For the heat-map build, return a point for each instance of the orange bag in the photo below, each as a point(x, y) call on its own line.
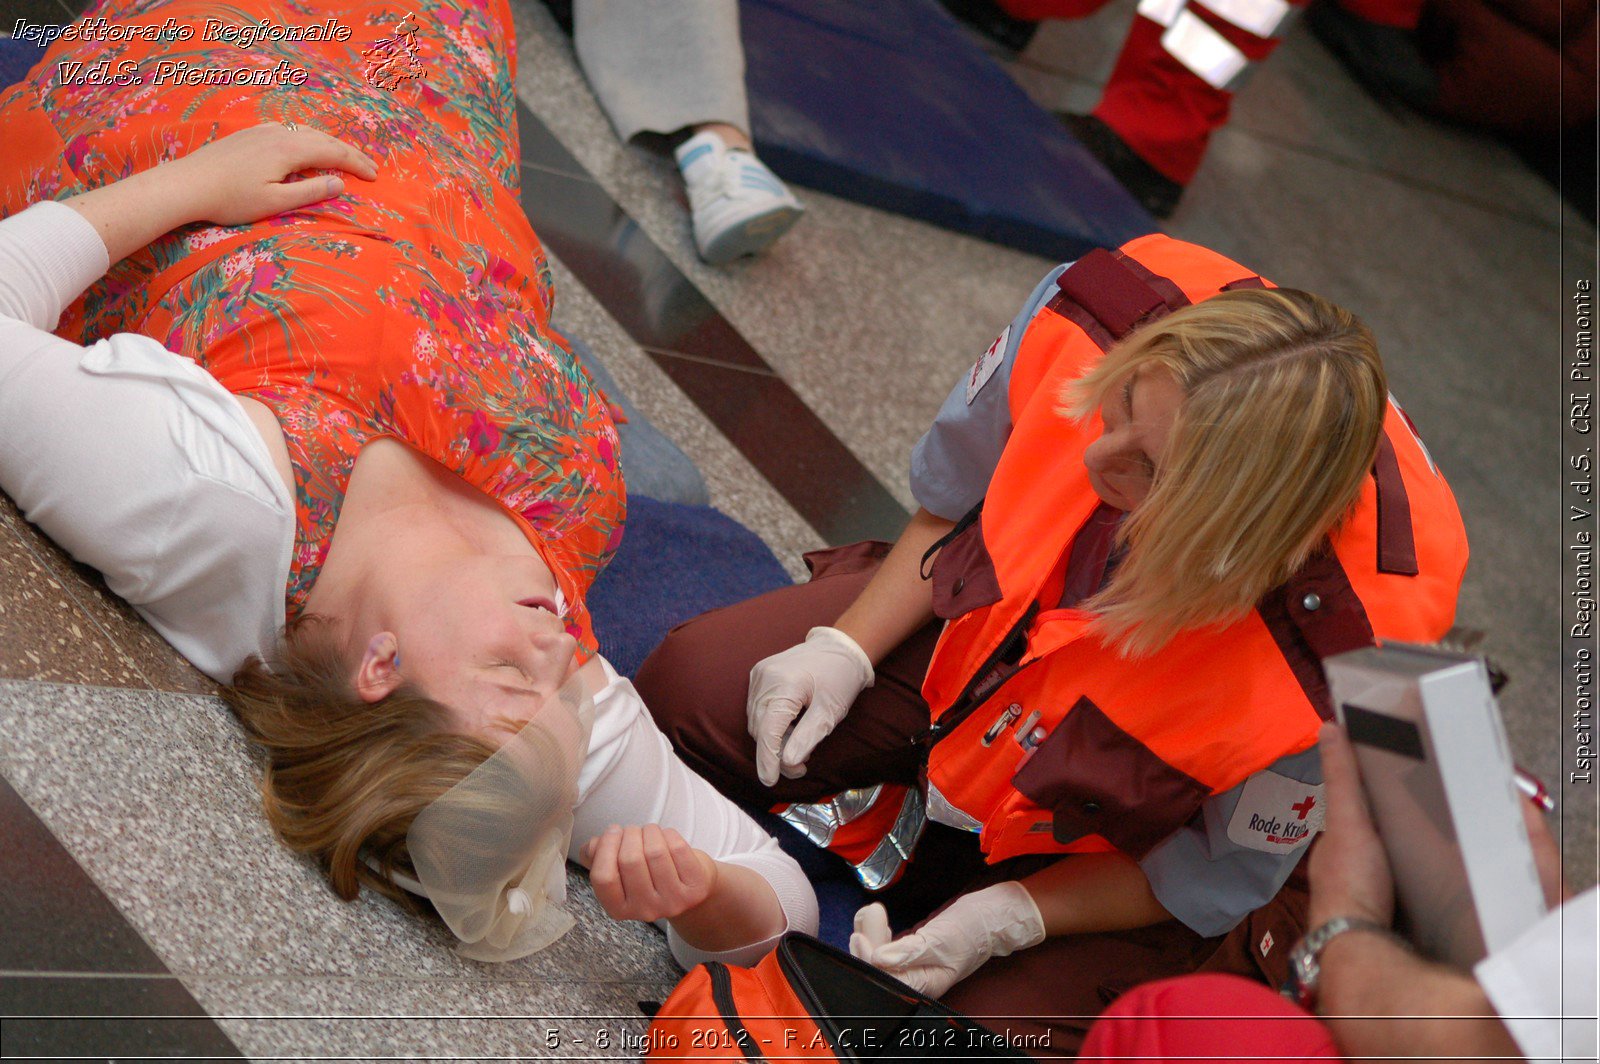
point(807, 1000)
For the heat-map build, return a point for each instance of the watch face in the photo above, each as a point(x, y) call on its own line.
point(1301, 987)
point(1304, 969)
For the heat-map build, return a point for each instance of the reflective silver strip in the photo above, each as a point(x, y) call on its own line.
point(852, 803)
point(820, 821)
point(880, 866)
point(1261, 17)
point(1161, 11)
point(942, 812)
point(1203, 50)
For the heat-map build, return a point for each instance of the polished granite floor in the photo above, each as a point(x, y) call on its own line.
point(146, 911)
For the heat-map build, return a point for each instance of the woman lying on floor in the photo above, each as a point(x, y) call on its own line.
point(334, 452)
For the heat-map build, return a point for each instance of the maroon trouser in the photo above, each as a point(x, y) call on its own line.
point(696, 685)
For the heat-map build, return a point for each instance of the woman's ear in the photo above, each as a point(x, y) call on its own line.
point(379, 675)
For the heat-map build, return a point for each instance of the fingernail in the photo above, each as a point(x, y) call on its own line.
point(614, 829)
point(335, 186)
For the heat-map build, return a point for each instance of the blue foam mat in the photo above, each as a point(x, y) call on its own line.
point(16, 59)
point(892, 105)
point(676, 561)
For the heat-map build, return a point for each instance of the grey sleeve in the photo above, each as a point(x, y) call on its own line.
point(952, 463)
point(1240, 848)
point(661, 67)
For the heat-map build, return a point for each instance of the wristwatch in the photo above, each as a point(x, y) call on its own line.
point(1305, 968)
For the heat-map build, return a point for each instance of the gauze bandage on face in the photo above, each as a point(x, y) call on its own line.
point(490, 853)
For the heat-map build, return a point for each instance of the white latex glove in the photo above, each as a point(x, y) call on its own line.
point(992, 922)
point(822, 676)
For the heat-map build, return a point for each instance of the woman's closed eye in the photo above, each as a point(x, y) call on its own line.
point(513, 666)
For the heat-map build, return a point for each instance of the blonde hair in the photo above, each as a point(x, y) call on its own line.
point(1284, 401)
point(344, 775)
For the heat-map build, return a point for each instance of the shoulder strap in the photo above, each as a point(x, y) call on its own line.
point(1108, 294)
point(1244, 282)
point(1397, 546)
point(1103, 288)
point(1312, 616)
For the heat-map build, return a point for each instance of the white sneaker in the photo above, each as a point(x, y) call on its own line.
point(737, 205)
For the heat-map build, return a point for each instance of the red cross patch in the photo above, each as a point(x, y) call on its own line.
point(1276, 813)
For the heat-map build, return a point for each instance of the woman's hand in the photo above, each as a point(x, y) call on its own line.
point(646, 873)
point(231, 181)
point(1546, 854)
point(243, 177)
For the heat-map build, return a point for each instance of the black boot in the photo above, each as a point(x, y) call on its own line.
point(1157, 192)
point(989, 19)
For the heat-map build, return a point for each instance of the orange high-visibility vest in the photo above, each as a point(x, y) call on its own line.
point(1046, 741)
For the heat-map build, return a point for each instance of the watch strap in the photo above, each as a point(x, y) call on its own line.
point(1305, 960)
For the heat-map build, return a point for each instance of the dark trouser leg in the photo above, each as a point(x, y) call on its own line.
point(696, 683)
point(1048, 996)
point(1045, 998)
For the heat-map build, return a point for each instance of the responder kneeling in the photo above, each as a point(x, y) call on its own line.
point(1164, 493)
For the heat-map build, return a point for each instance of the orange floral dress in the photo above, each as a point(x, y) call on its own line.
point(417, 306)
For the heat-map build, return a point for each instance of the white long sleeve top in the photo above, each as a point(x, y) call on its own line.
point(140, 464)
point(632, 776)
point(135, 459)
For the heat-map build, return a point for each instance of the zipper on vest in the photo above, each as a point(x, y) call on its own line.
point(722, 996)
point(993, 673)
point(985, 681)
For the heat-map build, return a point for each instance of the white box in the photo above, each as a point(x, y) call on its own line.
point(1439, 779)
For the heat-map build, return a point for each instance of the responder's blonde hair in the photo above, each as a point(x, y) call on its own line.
point(1285, 397)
